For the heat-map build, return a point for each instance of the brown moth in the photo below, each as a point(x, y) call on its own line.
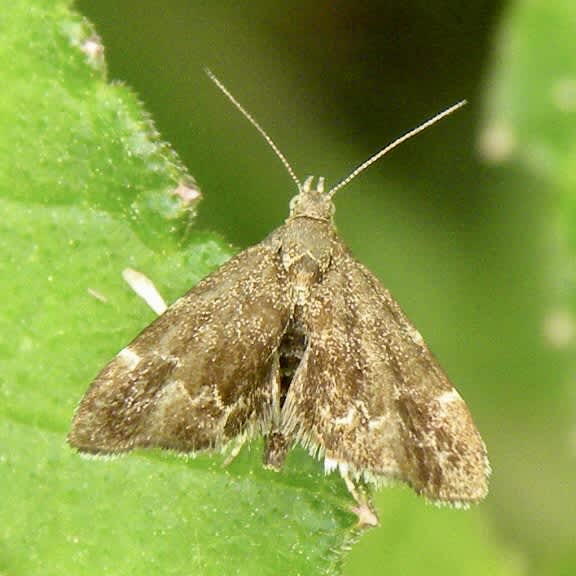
point(295, 340)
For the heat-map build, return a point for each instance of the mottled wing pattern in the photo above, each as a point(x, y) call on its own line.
point(372, 399)
point(197, 376)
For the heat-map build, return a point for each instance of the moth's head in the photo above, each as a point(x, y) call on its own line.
point(312, 201)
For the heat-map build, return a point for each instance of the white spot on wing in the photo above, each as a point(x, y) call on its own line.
point(416, 336)
point(448, 397)
point(376, 423)
point(346, 420)
point(129, 358)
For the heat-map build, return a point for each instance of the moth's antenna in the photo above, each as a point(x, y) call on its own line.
point(396, 142)
point(250, 118)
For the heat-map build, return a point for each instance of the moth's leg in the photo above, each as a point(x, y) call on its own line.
point(276, 449)
point(145, 288)
point(367, 516)
point(232, 449)
point(276, 444)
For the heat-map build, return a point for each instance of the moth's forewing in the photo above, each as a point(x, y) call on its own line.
point(197, 376)
point(373, 400)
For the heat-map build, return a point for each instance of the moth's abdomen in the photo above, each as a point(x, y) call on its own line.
point(290, 353)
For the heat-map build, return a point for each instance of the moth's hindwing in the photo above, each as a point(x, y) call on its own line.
point(371, 397)
point(198, 376)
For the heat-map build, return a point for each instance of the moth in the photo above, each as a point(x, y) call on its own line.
point(295, 340)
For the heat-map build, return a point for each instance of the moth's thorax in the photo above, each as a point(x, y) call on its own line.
point(307, 239)
point(312, 202)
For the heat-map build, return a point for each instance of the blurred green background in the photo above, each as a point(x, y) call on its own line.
point(469, 224)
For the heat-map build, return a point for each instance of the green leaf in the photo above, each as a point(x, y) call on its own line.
point(87, 189)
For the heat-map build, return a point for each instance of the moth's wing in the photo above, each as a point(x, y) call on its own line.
point(197, 376)
point(371, 397)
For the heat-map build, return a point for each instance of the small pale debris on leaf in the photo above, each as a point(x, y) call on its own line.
point(98, 295)
point(145, 288)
